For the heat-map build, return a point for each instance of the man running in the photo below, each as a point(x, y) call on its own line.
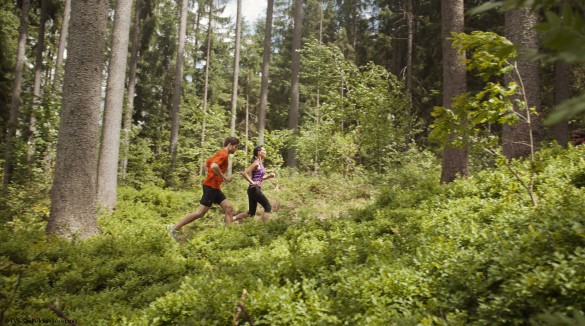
point(216, 168)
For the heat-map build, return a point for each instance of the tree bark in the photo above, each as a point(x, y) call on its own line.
point(74, 192)
point(522, 139)
point(37, 98)
point(131, 90)
point(265, 71)
point(177, 89)
point(113, 109)
point(562, 92)
point(409, 40)
point(16, 91)
point(62, 45)
point(455, 160)
point(206, 85)
point(293, 114)
point(234, 102)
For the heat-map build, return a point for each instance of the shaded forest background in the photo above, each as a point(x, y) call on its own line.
point(167, 130)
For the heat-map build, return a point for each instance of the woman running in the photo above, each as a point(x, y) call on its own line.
point(255, 174)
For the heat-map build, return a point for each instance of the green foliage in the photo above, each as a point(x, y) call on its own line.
point(562, 32)
point(142, 163)
point(8, 43)
point(473, 252)
point(359, 117)
point(490, 57)
point(276, 142)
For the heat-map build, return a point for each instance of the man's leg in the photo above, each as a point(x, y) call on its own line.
point(241, 217)
point(228, 210)
point(200, 212)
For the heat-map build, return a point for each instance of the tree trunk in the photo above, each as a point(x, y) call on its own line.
point(409, 55)
point(265, 71)
point(562, 92)
point(131, 90)
point(112, 120)
point(62, 45)
point(247, 115)
point(37, 99)
point(522, 139)
point(205, 86)
point(454, 83)
point(16, 90)
point(200, 10)
point(235, 78)
point(410, 28)
point(293, 114)
point(177, 89)
point(74, 192)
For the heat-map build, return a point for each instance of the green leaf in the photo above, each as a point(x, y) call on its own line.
point(566, 110)
point(484, 7)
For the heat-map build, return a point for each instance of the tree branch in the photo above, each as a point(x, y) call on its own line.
point(241, 310)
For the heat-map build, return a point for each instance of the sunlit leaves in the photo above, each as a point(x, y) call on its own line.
point(490, 56)
point(361, 112)
point(562, 33)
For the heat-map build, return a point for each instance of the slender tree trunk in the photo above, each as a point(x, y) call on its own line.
point(177, 88)
point(37, 99)
point(56, 80)
point(62, 45)
point(235, 78)
point(265, 71)
point(318, 104)
point(562, 92)
point(521, 140)
point(131, 90)
point(293, 114)
point(205, 86)
point(200, 9)
point(247, 115)
point(113, 109)
point(409, 41)
point(74, 192)
point(454, 83)
point(16, 90)
point(355, 29)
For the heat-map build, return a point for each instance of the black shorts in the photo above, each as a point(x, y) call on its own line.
point(211, 196)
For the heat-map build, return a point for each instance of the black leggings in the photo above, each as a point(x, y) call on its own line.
point(256, 196)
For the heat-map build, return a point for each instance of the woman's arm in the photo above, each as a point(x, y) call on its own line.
point(248, 170)
point(269, 176)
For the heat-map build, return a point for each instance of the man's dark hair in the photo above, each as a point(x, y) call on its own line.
point(231, 141)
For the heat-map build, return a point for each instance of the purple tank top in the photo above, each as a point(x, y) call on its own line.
point(258, 175)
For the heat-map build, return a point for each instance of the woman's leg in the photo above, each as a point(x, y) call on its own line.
point(252, 205)
point(260, 198)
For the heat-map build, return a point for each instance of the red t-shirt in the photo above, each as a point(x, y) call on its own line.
point(221, 159)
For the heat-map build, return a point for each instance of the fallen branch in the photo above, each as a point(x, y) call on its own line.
point(241, 310)
point(54, 308)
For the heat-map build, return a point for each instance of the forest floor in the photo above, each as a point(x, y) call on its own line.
point(293, 197)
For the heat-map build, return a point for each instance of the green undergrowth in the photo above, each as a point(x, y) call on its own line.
point(407, 251)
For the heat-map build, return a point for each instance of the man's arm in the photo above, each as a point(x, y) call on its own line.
point(217, 171)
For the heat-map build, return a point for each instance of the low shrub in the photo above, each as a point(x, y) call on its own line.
point(476, 251)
